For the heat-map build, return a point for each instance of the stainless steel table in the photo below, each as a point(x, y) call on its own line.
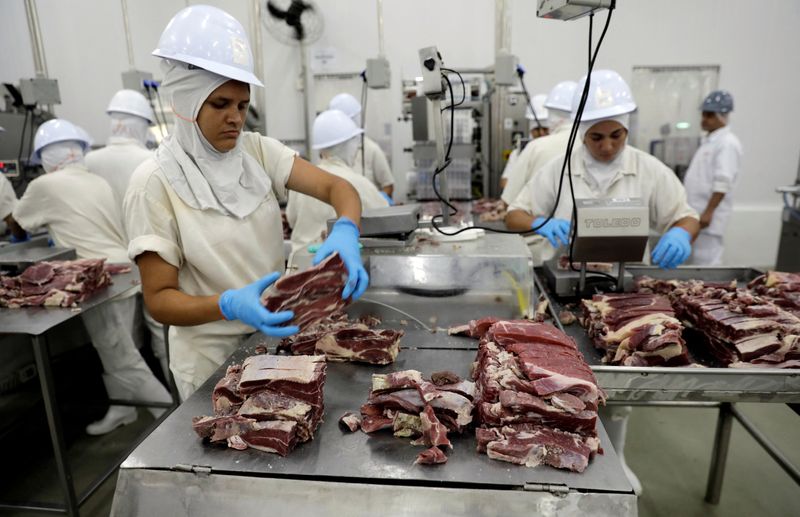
point(37, 322)
point(340, 473)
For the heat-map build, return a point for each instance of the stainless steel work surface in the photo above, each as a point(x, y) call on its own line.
point(379, 458)
point(21, 255)
point(688, 383)
point(36, 321)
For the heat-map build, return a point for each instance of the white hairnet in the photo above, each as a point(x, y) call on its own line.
point(586, 126)
point(125, 126)
point(557, 118)
point(231, 182)
point(58, 155)
point(346, 151)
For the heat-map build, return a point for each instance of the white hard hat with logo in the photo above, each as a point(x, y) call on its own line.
point(211, 39)
point(560, 96)
point(345, 103)
point(333, 127)
point(58, 130)
point(609, 96)
point(132, 103)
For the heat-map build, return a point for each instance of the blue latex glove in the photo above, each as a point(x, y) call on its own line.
point(555, 230)
point(15, 240)
point(245, 305)
point(344, 239)
point(673, 249)
point(387, 197)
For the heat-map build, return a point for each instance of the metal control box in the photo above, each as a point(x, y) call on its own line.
point(379, 75)
point(505, 69)
point(569, 9)
point(39, 91)
point(611, 230)
point(431, 64)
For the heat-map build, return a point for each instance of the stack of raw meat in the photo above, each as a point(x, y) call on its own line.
point(63, 283)
point(270, 403)
point(782, 289)
point(637, 329)
point(489, 210)
point(341, 339)
point(537, 398)
point(413, 407)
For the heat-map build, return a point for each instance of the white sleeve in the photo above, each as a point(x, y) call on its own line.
point(726, 165)
point(668, 204)
point(517, 174)
point(8, 199)
point(31, 210)
point(538, 195)
point(380, 166)
point(149, 217)
point(512, 160)
point(276, 158)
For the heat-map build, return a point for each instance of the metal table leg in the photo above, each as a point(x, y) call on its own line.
point(42, 354)
point(722, 439)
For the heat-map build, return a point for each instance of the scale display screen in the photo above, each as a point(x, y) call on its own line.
point(9, 168)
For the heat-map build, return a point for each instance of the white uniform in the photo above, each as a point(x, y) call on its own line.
point(308, 216)
point(79, 211)
point(8, 198)
point(116, 162)
point(378, 170)
point(640, 175)
point(213, 252)
point(714, 168)
point(511, 162)
point(535, 155)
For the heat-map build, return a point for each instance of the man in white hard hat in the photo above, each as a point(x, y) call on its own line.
point(711, 178)
point(337, 138)
point(373, 163)
point(542, 150)
point(8, 200)
point(79, 211)
point(131, 117)
point(539, 128)
point(606, 167)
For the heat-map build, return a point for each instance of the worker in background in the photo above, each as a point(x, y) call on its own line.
point(8, 200)
point(202, 215)
point(544, 149)
point(606, 167)
point(79, 211)
point(337, 138)
point(539, 128)
point(370, 160)
point(131, 117)
point(711, 178)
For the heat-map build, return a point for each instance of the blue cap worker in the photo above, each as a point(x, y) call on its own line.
point(606, 167)
point(203, 216)
point(539, 127)
point(372, 162)
point(712, 176)
point(130, 117)
point(543, 149)
point(337, 138)
point(79, 211)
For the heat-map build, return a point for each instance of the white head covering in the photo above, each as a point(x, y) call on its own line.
point(558, 118)
point(128, 128)
point(345, 151)
point(58, 155)
point(232, 183)
point(624, 119)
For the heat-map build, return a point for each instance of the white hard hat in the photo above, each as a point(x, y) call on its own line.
point(58, 130)
point(132, 103)
point(211, 39)
point(539, 109)
point(345, 103)
point(333, 127)
point(609, 95)
point(560, 97)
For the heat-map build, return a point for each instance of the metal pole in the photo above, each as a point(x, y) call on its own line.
point(438, 133)
point(39, 61)
point(582, 278)
point(42, 355)
point(722, 439)
point(306, 99)
point(127, 25)
point(621, 277)
point(260, 94)
point(381, 52)
point(768, 446)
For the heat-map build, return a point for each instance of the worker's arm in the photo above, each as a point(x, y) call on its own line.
point(708, 213)
point(166, 302)
point(16, 229)
point(519, 220)
point(503, 183)
point(690, 224)
point(312, 181)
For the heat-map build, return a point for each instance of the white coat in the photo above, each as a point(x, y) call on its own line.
point(8, 198)
point(533, 157)
point(308, 216)
point(378, 170)
point(213, 252)
point(116, 162)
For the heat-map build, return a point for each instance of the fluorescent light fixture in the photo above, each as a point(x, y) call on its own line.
point(418, 79)
point(682, 125)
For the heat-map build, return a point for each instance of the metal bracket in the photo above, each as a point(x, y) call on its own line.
point(557, 490)
point(203, 470)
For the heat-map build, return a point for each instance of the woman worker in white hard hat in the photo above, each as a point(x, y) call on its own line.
point(606, 167)
point(539, 122)
point(203, 216)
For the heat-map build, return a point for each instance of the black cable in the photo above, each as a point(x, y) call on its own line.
point(463, 90)
point(521, 73)
point(155, 111)
point(22, 134)
point(591, 23)
point(363, 124)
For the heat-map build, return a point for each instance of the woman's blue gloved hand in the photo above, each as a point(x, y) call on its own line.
point(673, 249)
point(344, 240)
point(387, 197)
point(245, 305)
point(555, 230)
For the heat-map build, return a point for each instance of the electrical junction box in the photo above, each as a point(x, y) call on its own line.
point(505, 69)
point(134, 80)
point(431, 64)
point(39, 91)
point(569, 9)
point(611, 230)
point(379, 74)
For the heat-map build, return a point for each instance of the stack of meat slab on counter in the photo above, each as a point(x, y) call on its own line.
point(782, 289)
point(63, 283)
point(413, 407)
point(637, 329)
point(537, 398)
point(735, 327)
point(270, 403)
point(315, 296)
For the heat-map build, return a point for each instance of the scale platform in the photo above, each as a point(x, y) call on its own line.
point(16, 257)
point(564, 283)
